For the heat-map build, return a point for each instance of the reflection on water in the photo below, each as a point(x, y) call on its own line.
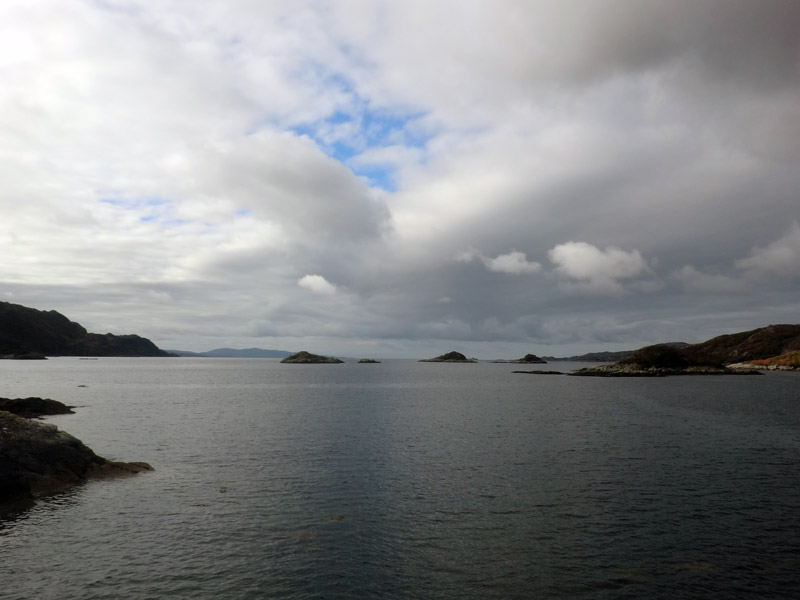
point(407, 480)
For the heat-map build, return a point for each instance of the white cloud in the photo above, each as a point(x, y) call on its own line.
point(513, 262)
point(596, 271)
point(317, 284)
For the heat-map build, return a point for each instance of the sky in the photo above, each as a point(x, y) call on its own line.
point(401, 179)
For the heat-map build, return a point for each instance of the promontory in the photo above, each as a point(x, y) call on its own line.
point(31, 333)
point(759, 348)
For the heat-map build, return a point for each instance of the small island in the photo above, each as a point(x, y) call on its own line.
point(306, 358)
point(368, 361)
point(450, 357)
point(529, 359)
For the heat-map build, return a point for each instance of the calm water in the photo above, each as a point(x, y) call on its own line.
point(412, 480)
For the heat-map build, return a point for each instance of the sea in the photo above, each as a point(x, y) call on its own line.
point(411, 480)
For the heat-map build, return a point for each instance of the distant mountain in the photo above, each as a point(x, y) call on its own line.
point(593, 357)
point(28, 332)
point(235, 353)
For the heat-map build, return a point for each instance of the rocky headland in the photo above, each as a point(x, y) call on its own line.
point(28, 333)
point(450, 357)
point(306, 358)
point(660, 360)
point(37, 459)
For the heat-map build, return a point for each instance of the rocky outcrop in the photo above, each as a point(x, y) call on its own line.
point(368, 361)
point(304, 358)
point(529, 359)
point(34, 407)
point(450, 357)
point(38, 459)
point(658, 361)
point(29, 333)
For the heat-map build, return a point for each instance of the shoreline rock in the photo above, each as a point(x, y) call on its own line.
point(615, 371)
point(37, 459)
point(34, 407)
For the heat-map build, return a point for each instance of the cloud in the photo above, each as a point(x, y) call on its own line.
point(513, 262)
point(591, 270)
point(170, 168)
point(780, 258)
point(695, 281)
point(317, 284)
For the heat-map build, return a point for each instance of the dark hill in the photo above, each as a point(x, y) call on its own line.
point(663, 356)
point(235, 353)
point(27, 331)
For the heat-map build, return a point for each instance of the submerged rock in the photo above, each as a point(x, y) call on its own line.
point(304, 357)
point(455, 357)
point(540, 372)
point(38, 459)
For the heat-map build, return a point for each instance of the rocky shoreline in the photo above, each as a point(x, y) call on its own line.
point(37, 459)
point(661, 360)
point(633, 371)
